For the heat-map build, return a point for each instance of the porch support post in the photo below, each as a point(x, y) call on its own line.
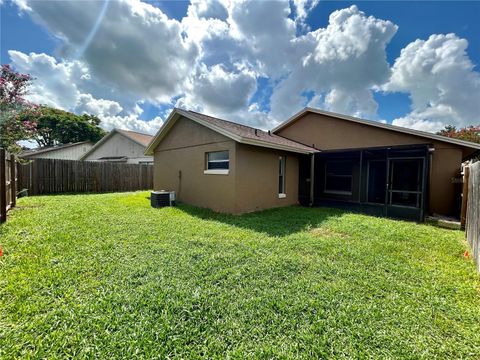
point(360, 177)
point(387, 185)
point(312, 177)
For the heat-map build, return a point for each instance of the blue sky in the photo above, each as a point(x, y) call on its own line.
point(263, 88)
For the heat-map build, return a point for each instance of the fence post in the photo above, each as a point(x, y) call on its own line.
point(463, 214)
point(3, 188)
point(13, 180)
point(34, 178)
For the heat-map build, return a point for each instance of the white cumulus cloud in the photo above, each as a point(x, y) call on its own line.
point(441, 81)
point(221, 91)
point(303, 7)
point(136, 47)
point(61, 84)
point(211, 60)
point(343, 61)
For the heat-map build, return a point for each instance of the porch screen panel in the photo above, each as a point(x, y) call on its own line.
point(376, 181)
point(339, 177)
point(406, 182)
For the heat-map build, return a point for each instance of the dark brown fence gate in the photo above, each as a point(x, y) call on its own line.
point(8, 183)
point(472, 225)
point(53, 176)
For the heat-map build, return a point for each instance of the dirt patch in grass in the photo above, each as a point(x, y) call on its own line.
point(326, 232)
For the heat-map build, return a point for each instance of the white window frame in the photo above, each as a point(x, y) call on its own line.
point(216, 172)
point(282, 165)
point(208, 171)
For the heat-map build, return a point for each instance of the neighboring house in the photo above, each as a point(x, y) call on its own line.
point(121, 146)
point(314, 158)
point(64, 152)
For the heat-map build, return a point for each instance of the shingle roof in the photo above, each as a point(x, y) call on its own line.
point(247, 132)
point(136, 136)
point(240, 133)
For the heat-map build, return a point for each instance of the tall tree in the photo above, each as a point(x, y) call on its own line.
point(468, 133)
point(55, 126)
point(13, 88)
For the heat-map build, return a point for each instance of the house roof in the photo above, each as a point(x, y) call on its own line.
point(137, 137)
point(141, 138)
point(47, 149)
point(390, 127)
point(237, 132)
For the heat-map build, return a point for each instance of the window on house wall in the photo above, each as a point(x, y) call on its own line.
point(281, 176)
point(217, 162)
point(338, 177)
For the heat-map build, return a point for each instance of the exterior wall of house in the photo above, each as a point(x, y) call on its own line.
point(252, 181)
point(328, 133)
point(180, 163)
point(68, 153)
point(257, 180)
point(443, 192)
point(119, 145)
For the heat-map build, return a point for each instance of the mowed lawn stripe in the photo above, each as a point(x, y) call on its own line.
point(109, 276)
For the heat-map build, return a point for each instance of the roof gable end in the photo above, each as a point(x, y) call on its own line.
point(107, 137)
point(237, 132)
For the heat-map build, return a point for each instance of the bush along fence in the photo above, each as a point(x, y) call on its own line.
point(8, 183)
point(472, 221)
point(53, 176)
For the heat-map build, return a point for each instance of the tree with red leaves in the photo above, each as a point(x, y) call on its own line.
point(13, 88)
point(469, 133)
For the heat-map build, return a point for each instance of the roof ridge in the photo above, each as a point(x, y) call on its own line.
point(133, 131)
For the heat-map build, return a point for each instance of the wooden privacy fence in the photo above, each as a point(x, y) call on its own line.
point(8, 183)
point(472, 226)
point(53, 176)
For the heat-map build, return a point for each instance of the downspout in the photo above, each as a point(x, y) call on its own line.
point(426, 189)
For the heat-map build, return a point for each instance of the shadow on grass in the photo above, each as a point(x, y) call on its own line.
point(274, 222)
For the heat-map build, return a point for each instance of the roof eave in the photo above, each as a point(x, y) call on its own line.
point(264, 144)
point(161, 133)
point(64, 146)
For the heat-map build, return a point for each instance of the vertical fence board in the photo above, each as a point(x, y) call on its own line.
point(472, 225)
point(3, 187)
point(13, 181)
point(8, 183)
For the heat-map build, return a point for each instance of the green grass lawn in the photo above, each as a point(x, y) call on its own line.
point(107, 276)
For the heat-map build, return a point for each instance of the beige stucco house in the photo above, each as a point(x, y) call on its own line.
point(122, 146)
point(314, 158)
point(72, 151)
